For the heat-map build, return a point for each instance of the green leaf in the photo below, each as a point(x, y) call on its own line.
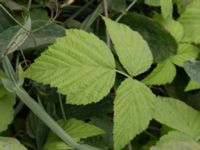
point(76, 129)
point(173, 136)
point(7, 143)
point(7, 101)
point(178, 145)
point(178, 115)
point(118, 5)
point(151, 31)
point(80, 65)
point(166, 8)
point(175, 140)
point(192, 68)
point(152, 2)
point(133, 109)
point(192, 85)
point(185, 52)
point(45, 35)
point(132, 50)
point(163, 73)
point(190, 20)
point(175, 28)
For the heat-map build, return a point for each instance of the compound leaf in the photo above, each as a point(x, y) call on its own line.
point(163, 73)
point(77, 129)
point(80, 65)
point(178, 115)
point(133, 109)
point(132, 50)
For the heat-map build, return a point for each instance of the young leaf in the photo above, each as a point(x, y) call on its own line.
point(185, 52)
point(163, 73)
point(77, 130)
point(166, 8)
point(7, 101)
point(192, 85)
point(80, 65)
point(133, 109)
point(192, 68)
point(7, 143)
point(178, 115)
point(132, 50)
point(190, 20)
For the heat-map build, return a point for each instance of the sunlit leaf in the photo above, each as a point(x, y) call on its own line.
point(178, 115)
point(133, 109)
point(161, 42)
point(132, 50)
point(80, 65)
point(163, 73)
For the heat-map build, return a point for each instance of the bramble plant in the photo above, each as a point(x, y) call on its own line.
point(119, 95)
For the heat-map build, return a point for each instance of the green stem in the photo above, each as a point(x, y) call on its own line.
point(62, 107)
point(44, 116)
point(37, 109)
point(123, 73)
point(80, 10)
point(127, 9)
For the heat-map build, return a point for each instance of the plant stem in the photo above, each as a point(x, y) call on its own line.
point(37, 109)
point(123, 73)
point(80, 10)
point(130, 146)
point(45, 117)
point(105, 5)
point(62, 107)
point(127, 9)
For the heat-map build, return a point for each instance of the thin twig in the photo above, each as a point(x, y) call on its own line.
point(62, 107)
point(29, 4)
point(130, 146)
point(105, 5)
point(126, 10)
